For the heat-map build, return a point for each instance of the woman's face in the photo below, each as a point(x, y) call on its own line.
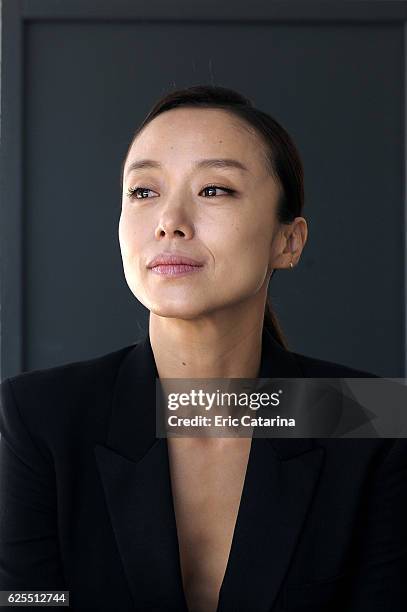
point(231, 233)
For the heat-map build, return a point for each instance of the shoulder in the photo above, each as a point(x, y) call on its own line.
point(51, 401)
point(385, 455)
point(68, 378)
point(74, 372)
point(314, 367)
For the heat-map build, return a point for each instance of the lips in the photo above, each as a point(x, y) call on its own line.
point(172, 259)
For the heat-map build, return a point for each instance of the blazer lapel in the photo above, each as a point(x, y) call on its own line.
point(281, 479)
point(134, 469)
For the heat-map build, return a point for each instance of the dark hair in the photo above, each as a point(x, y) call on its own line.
point(282, 156)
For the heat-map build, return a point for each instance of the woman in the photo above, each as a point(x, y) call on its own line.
point(94, 503)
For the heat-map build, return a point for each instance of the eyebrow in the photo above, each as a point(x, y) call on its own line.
point(202, 163)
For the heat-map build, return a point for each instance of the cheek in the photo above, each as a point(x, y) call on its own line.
point(241, 253)
point(131, 241)
point(130, 235)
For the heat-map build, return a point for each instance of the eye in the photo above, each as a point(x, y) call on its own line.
point(213, 188)
point(139, 193)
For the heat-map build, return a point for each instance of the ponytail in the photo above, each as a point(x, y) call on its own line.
point(272, 325)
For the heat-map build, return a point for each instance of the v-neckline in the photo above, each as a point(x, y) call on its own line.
point(234, 531)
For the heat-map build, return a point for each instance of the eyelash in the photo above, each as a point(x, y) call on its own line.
point(131, 191)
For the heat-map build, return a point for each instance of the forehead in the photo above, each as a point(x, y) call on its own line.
point(181, 134)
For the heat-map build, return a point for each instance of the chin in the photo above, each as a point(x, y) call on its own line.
point(176, 311)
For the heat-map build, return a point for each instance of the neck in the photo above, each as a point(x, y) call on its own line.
point(223, 344)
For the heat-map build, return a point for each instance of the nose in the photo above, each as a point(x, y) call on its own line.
point(165, 232)
point(174, 223)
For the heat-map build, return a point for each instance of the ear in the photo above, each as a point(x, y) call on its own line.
point(288, 244)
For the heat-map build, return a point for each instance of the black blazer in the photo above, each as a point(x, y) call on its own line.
point(86, 503)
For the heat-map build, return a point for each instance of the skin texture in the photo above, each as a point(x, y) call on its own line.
point(206, 324)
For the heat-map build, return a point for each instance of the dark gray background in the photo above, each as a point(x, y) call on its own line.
point(77, 78)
